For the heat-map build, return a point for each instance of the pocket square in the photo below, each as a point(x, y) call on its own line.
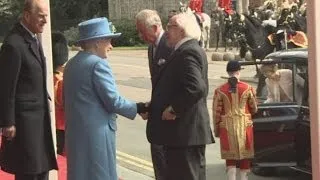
point(161, 62)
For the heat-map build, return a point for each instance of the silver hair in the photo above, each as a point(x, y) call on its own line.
point(88, 44)
point(148, 17)
point(189, 24)
point(31, 5)
point(268, 68)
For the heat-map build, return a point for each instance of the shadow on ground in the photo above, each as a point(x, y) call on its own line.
point(218, 171)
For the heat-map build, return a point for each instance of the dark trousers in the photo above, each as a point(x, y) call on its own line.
point(186, 163)
point(158, 161)
point(60, 141)
point(42, 176)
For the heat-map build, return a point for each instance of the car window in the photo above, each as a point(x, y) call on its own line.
point(249, 75)
point(302, 71)
point(277, 83)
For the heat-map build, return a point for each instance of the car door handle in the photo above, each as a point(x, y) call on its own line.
point(281, 127)
point(265, 114)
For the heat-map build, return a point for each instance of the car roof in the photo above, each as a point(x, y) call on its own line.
point(295, 55)
point(289, 53)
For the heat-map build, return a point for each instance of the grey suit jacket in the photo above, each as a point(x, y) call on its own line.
point(162, 52)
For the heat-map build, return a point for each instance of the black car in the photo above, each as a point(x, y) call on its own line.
point(282, 129)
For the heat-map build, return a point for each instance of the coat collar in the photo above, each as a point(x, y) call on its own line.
point(32, 42)
point(31, 33)
point(161, 42)
point(160, 37)
point(181, 48)
point(175, 53)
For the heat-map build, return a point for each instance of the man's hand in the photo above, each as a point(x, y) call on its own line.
point(168, 114)
point(144, 116)
point(9, 132)
point(217, 135)
point(142, 107)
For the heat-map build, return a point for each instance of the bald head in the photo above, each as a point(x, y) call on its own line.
point(189, 24)
point(32, 5)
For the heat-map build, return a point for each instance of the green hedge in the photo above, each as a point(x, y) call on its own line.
point(72, 35)
point(129, 36)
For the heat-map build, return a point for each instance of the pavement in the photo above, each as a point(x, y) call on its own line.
point(127, 174)
point(134, 159)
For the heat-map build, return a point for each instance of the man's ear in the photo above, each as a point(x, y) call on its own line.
point(26, 15)
point(154, 28)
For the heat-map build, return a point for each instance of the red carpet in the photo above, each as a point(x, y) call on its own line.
point(62, 173)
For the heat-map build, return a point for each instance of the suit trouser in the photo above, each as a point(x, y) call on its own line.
point(42, 176)
point(60, 134)
point(158, 161)
point(186, 163)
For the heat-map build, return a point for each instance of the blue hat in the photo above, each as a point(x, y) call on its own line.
point(96, 28)
point(233, 66)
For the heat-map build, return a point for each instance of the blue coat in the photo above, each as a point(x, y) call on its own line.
point(91, 103)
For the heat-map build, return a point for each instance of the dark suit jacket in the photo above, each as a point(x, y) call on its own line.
point(24, 103)
point(183, 84)
point(163, 51)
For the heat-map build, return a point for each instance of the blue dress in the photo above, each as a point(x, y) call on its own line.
point(91, 102)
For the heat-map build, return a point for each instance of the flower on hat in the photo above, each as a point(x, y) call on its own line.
point(112, 28)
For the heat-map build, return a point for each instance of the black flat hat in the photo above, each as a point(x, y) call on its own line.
point(233, 65)
point(60, 50)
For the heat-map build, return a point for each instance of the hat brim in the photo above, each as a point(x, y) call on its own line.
point(109, 36)
point(234, 70)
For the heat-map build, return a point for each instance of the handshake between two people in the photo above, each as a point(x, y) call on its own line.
point(143, 110)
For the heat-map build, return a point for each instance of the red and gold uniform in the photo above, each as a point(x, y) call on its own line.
point(58, 85)
point(59, 111)
point(225, 4)
point(233, 122)
point(196, 5)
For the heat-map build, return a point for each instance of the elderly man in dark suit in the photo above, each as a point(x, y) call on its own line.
point(178, 110)
point(27, 149)
point(149, 27)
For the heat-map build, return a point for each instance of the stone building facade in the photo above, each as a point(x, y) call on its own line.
point(256, 3)
point(127, 9)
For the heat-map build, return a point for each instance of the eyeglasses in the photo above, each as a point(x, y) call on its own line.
point(268, 73)
point(169, 26)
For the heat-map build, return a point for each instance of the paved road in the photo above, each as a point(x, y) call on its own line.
point(132, 75)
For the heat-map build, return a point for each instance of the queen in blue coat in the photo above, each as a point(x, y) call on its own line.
point(91, 102)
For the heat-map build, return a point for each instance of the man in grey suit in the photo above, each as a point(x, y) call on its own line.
point(27, 149)
point(149, 27)
point(179, 103)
